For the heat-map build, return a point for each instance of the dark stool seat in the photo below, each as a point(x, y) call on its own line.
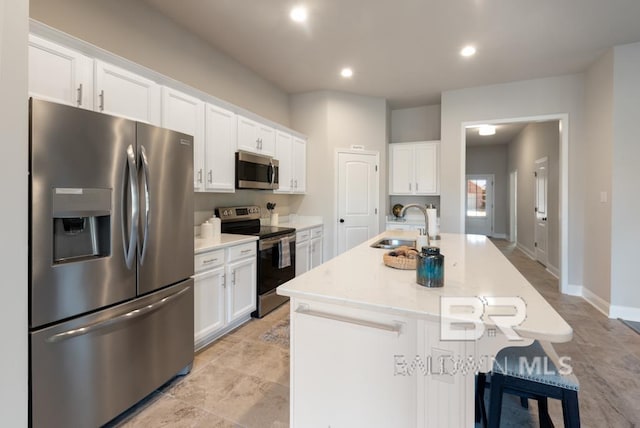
point(536, 372)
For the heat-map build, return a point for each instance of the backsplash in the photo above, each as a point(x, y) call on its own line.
point(205, 203)
point(405, 200)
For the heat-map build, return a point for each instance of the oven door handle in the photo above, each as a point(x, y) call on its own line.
point(269, 242)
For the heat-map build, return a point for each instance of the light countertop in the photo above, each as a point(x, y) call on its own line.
point(474, 267)
point(226, 240)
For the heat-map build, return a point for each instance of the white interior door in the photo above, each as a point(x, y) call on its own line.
point(541, 230)
point(479, 205)
point(358, 185)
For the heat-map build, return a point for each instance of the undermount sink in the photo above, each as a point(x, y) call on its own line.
point(390, 243)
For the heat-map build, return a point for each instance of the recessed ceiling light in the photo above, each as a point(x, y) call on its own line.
point(298, 14)
point(346, 72)
point(486, 130)
point(468, 51)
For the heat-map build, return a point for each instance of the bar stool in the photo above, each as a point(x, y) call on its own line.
point(521, 371)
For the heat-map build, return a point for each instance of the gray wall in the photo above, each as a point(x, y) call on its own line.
point(535, 141)
point(625, 230)
point(598, 165)
point(13, 186)
point(554, 95)
point(136, 31)
point(413, 124)
point(334, 120)
point(492, 159)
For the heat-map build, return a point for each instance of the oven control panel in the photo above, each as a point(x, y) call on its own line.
point(238, 213)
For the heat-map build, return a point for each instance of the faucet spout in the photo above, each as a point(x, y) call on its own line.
point(422, 208)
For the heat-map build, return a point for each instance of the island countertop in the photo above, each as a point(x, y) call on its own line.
point(474, 267)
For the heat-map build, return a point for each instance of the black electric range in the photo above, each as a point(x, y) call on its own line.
point(276, 253)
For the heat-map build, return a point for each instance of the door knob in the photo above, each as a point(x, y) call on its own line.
point(341, 220)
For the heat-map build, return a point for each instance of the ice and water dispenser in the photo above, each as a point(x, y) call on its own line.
point(81, 224)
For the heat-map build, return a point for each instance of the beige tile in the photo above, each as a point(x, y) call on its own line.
point(213, 351)
point(167, 411)
point(258, 359)
point(248, 400)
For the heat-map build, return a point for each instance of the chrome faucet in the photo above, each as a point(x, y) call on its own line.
point(422, 208)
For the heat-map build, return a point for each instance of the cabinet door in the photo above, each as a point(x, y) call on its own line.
point(426, 172)
point(59, 74)
point(299, 165)
point(315, 253)
point(267, 137)
point(219, 149)
point(286, 163)
point(209, 310)
point(184, 113)
point(345, 359)
point(248, 139)
point(123, 93)
point(401, 176)
point(302, 257)
point(241, 292)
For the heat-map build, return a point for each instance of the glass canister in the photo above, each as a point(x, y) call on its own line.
point(430, 267)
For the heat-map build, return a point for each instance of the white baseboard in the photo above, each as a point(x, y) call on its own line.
point(573, 290)
point(625, 312)
point(555, 272)
point(596, 301)
point(525, 250)
point(500, 236)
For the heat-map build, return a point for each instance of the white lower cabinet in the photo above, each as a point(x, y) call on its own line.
point(225, 291)
point(346, 375)
point(308, 249)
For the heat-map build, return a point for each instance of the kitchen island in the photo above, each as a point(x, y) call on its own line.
point(369, 346)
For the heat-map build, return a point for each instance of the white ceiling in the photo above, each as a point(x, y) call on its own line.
point(407, 50)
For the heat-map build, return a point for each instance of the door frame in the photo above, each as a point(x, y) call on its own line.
point(490, 200)
point(513, 206)
point(336, 181)
point(563, 215)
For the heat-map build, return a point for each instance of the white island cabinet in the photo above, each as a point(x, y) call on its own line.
point(368, 347)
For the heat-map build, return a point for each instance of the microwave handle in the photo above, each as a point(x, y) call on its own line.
point(272, 173)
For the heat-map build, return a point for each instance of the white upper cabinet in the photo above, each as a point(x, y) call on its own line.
point(256, 137)
point(299, 165)
point(184, 113)
point(284, 155)
point(414, 168)
point(291, 152)
point(59, 74)
point(123, 93)
point(220, 147)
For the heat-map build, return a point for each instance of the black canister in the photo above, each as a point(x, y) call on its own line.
point(430, 268)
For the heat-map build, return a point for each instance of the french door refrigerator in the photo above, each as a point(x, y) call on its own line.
point(111, 256)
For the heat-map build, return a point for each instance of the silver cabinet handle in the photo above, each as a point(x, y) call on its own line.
point(206, 262)
point(136, 313)
point(233, 277)
point(79, 90)
point(258, 143)
point(296, 185)
point(101, 100)
point(147, 204)
point(224, 280)
point(200, 175)
point(410, 187)
point(130, 250)
point(246, 251)
point(416, 187)
point(210, 176)
point(304, 310)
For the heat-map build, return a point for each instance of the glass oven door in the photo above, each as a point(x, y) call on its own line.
point(274, 267)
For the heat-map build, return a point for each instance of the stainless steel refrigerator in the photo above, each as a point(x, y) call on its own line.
point(111, 256)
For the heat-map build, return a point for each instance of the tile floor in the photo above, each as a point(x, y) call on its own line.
point(242, 380)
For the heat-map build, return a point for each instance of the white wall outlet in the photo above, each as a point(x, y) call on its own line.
point(603, 197)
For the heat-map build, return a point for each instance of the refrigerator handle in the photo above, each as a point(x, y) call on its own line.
point(147, 202)
point(130, 250)
point(136, 313)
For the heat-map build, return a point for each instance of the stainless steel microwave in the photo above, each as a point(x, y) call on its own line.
point(256, 172)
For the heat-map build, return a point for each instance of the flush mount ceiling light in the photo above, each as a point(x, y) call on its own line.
point(346, 72)
point(298, 14)
point(468, 51)
point(486, 130)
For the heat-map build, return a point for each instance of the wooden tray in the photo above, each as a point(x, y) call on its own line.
point(399, 262)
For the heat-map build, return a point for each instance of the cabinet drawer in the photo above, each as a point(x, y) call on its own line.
point(303, 235)
point(316, 232)
point(242, 251)
point(209, 260)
